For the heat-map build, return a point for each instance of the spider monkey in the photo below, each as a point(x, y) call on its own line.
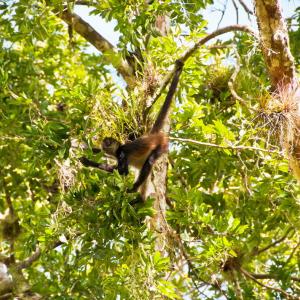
point(142, 152)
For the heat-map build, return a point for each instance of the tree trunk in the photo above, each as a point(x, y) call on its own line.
point(281, 68)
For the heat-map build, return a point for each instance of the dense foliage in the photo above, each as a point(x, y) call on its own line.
point(233, 203)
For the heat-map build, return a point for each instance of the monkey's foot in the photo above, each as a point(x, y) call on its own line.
point(137, 200)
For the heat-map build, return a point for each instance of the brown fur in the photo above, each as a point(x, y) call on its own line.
point(139, 150)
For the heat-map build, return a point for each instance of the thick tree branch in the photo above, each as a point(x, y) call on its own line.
point(192, 50)
point(99, 42)
point(275, 43)
point(282, 71)
point(237, 148)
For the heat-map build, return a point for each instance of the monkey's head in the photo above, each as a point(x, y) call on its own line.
point(110, 146)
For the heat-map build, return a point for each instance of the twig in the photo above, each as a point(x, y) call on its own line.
point(271, 276)
point(233, 79)
point(275, 242)
point(192, 50)
point(287, 295)
point(236, 11)
point(246, 8)
point(237, 148)
point(220, 46)
point(292, 254)
point(223, 13)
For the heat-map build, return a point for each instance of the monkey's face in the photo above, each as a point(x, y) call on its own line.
point(110, 146)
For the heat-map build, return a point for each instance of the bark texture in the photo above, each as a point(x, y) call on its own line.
point(275, 43)
point(281, 68)
point(100, 43)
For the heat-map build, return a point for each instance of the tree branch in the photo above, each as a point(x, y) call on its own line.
point(287, 295)
point(233, 78)
point(99, 42)
point(175, 236)
point(275, 242)
point(275, 44)
point(5, 259)
point(271, 276)
point(237, 148)
point(236, 11)
point(227, 29)
point(29, 260)
point(6, 296)
point(293, 252)
point(83, 2)
point(246, 8)
point(36, 255)
point(222, 13)
point(191, 51)
point(8, 200)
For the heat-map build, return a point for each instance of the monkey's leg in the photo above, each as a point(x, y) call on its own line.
point(146, 169)
point(123, 164)
point(89, 163)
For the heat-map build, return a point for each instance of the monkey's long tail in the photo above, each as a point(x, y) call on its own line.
point(163, 113)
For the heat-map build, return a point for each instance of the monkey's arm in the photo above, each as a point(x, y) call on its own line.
point(89, 163)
